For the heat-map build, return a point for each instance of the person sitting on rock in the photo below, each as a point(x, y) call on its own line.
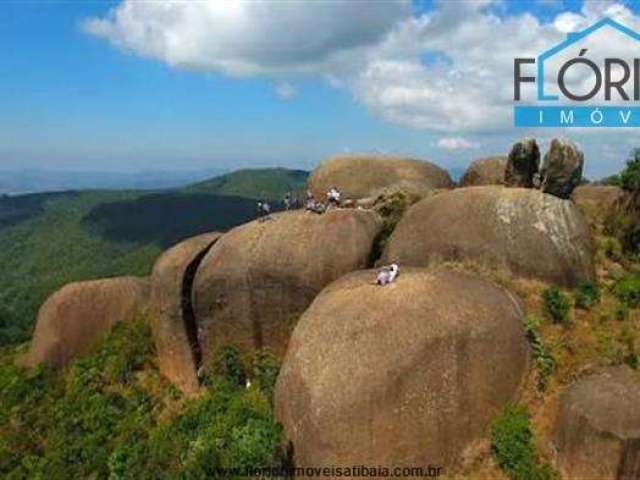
point(387, 274)
point(264, 210)
point(315, 206)
point(333, 197)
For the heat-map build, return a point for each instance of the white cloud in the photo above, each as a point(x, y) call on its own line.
point(248, 37)
point(448, 70)
point(456, 143)
point(285, 91)
point(377, 52)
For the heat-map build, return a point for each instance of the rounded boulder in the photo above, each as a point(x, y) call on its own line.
point(75, 317)
point(402, 375)
point(485, 171)
point(365, 176)
point(258, 278)
point(173, 321)
point(598, 201)
point(598, 428)
point(523, 231)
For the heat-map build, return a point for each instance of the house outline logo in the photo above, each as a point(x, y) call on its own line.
point(579, 113)
point(571, 39)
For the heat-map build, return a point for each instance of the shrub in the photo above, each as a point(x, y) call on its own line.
point(587, 296)
point(544, 360)
point(611, 180)
point(513, 446)
point(627, 289)
point(265, 371)
point(557, 305)
point(630, 176)
point(621, 312)
point(228, 364)
point(611, 246)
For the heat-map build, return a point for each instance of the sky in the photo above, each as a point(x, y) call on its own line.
point(129, 85)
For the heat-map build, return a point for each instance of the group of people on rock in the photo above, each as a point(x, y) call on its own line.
point(386, 274)
point(316, 206)
point(291, 202)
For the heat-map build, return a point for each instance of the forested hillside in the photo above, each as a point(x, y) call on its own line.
point(50, 239)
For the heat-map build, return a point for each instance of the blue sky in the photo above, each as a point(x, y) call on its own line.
point(74, 96)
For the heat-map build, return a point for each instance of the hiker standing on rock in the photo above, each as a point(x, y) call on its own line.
point(333, 197)
point(287, 201)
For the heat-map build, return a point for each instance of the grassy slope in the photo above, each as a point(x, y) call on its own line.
point(254, 183)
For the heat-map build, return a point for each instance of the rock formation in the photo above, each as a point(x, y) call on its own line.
point(485, 171)
point(521, 230)
point(597, 202)
point(403, 375)
point(173, 322)
point(522, 164)
point(76, 316)
point(257, 279)
point(562, 169)
point(598, 429)
point(363, 176)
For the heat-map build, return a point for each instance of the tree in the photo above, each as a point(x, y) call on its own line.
point(630, 176)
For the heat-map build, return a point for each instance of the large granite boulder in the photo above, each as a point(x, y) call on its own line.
point(403, 375)
point(173, 321)
point(522, 164)
point(597, 202)
point(258, 278)
point(367, 176)
point(597, 434)
point(523, 231)
point(75, 317)
point(561, 170)
point(485, 171)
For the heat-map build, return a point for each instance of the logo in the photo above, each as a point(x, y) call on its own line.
point(582, 81)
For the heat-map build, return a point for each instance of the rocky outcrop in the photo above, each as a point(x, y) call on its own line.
point(562, 169)
point(76, 316)
point(598, 429)
point(597, 202)
point(522, 164)
point(523, 231)
point(402, 375)
point(173, 321)
point(365, 176)
point(257, 279)
point(485, 171)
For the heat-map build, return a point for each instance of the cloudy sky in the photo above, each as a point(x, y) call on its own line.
point(134, 84)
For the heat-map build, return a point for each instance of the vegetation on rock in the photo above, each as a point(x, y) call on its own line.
point(512, 444)
point(557, 305)
point(587, 295)
point(543, 357)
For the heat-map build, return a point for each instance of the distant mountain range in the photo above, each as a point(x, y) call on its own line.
point(34, 181)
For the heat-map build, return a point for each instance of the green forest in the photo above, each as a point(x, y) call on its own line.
point(50, 239)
